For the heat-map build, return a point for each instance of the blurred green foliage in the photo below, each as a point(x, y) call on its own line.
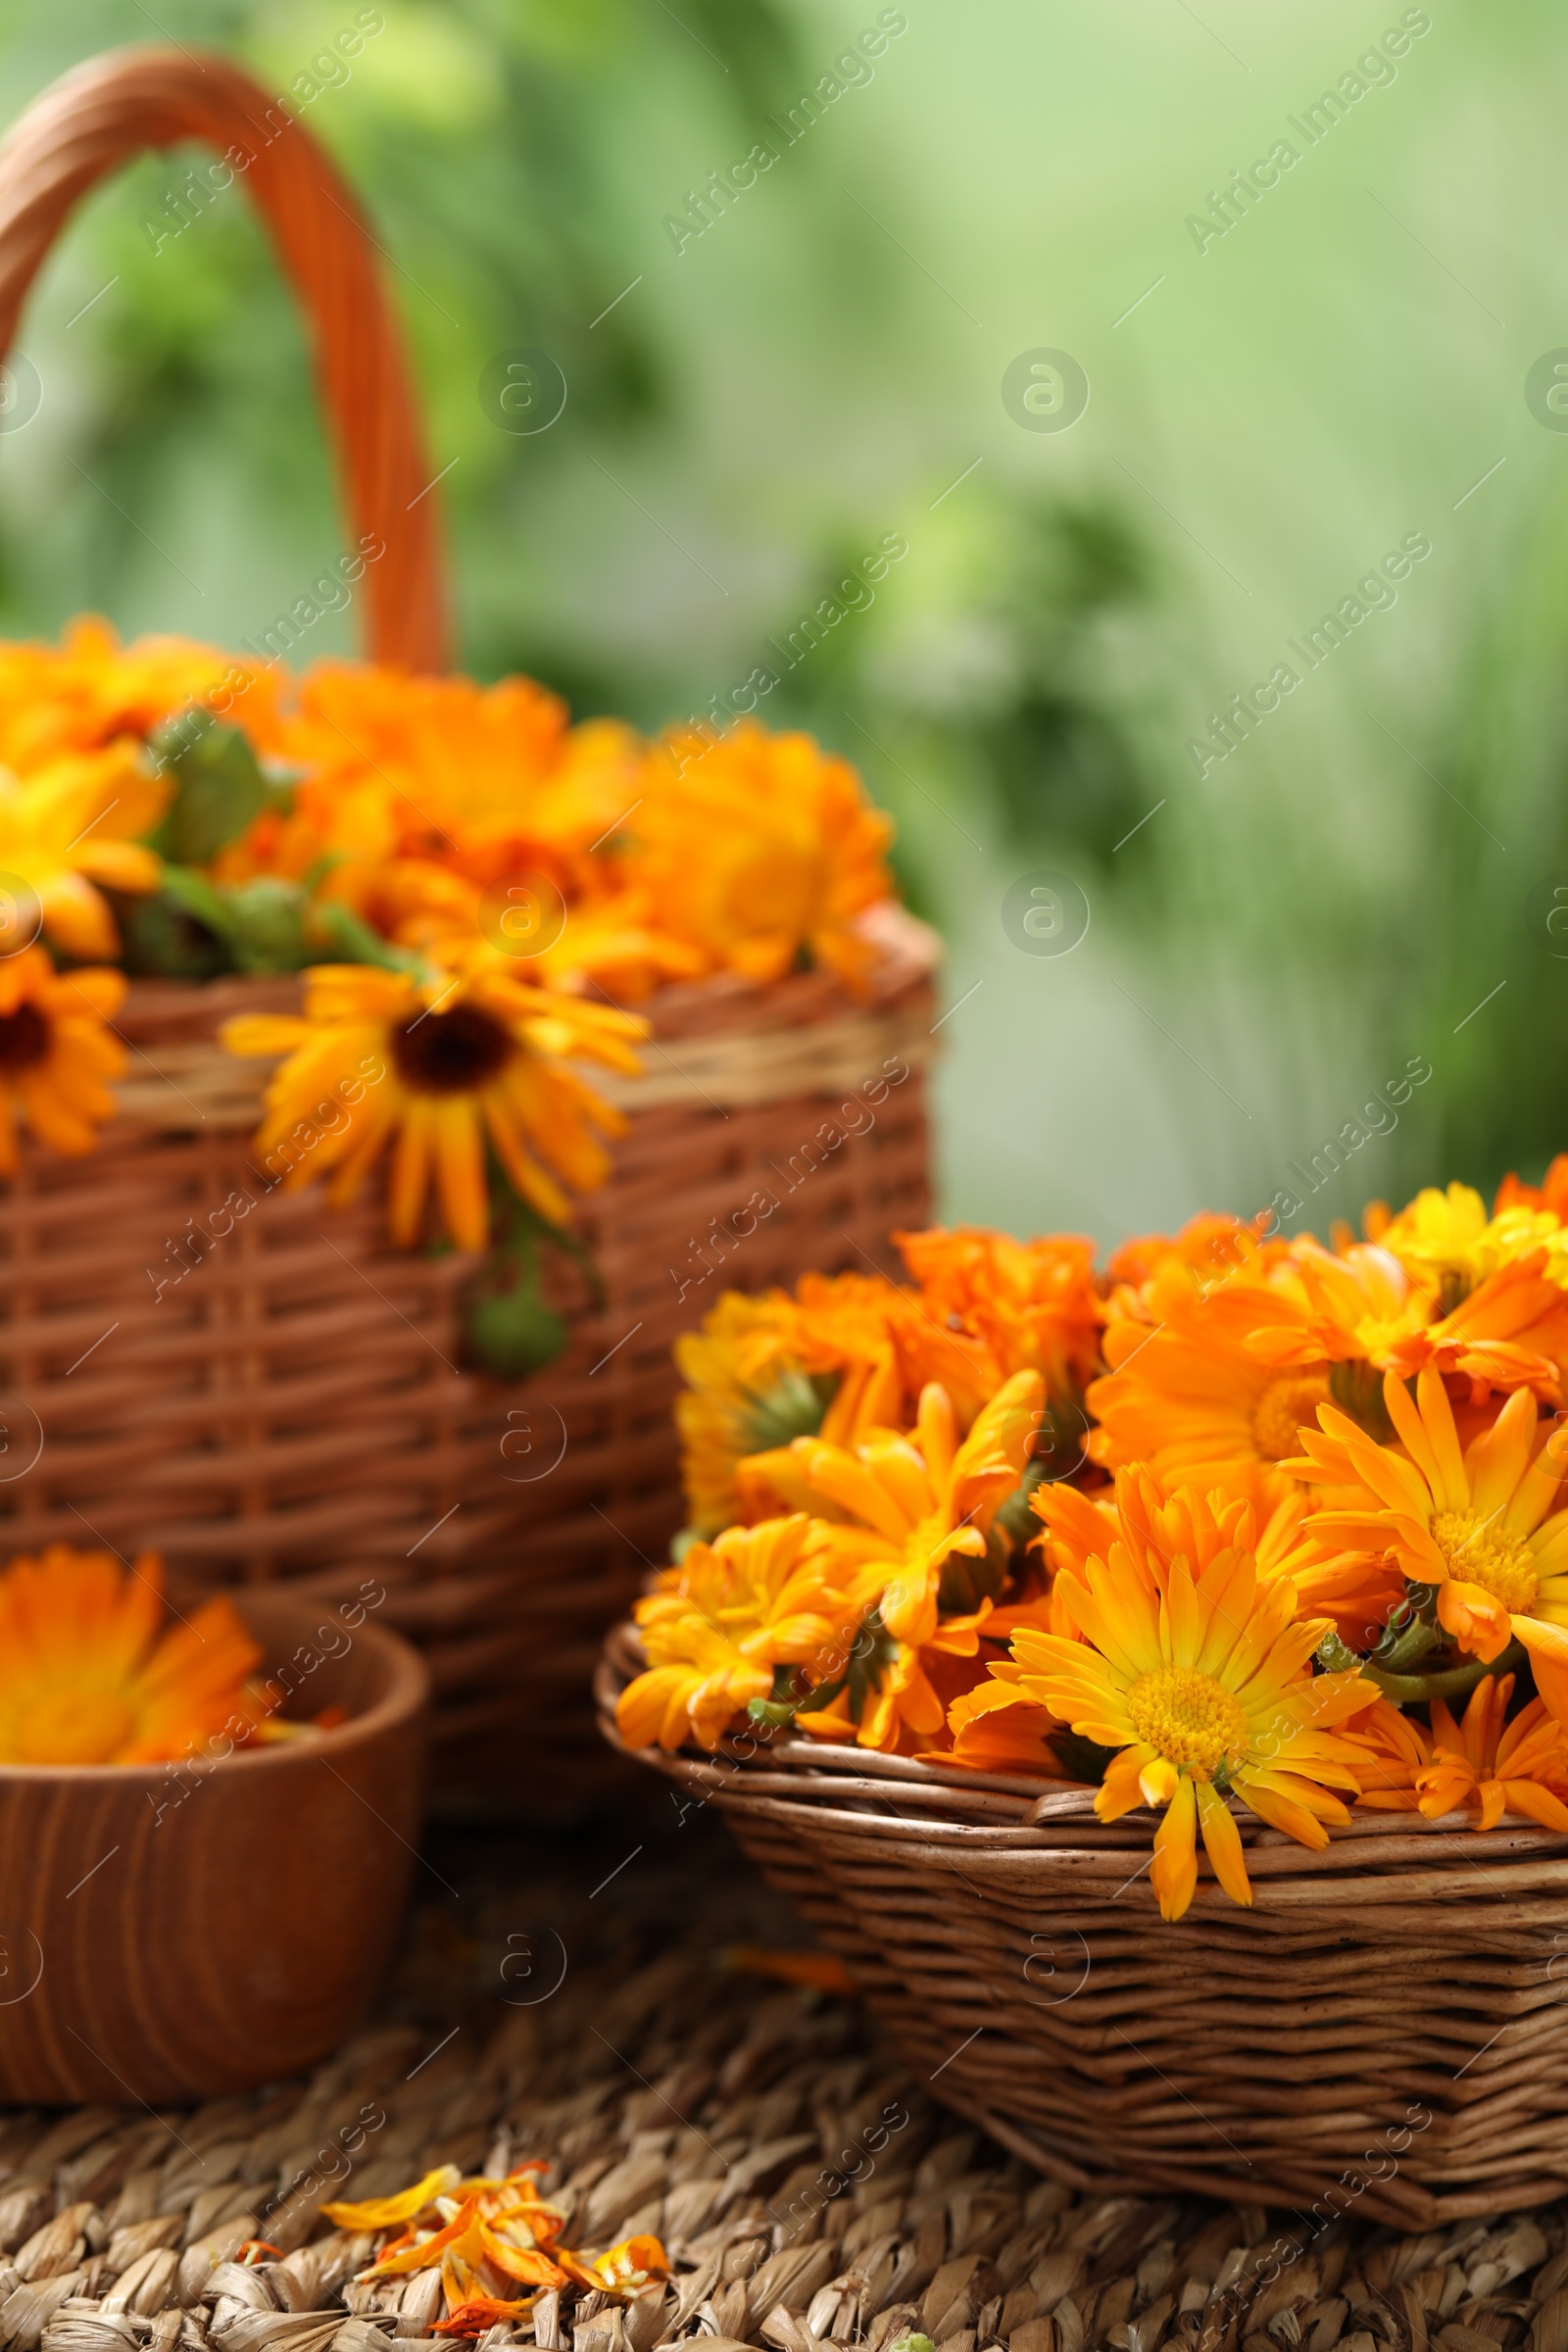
point(747, 418)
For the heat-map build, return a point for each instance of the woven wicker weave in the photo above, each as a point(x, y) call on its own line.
point(1393, 2010)
point(258, 1383)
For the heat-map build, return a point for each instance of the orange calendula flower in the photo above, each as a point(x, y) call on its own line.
point(1196, 1672)
point(1217, 1390)
point(435, 1069)
point(1034, 1304)
point(57, 1052)
point(1484, 1764)
point(1484, 1523)
point(90, 691)
point(757, 848)
point(91, 1672)
point(719, 1625)
point(1551, 1191)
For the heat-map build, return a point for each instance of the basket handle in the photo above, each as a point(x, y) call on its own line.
point(94, 119)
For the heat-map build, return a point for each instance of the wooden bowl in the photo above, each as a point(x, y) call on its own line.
point(171, 1932)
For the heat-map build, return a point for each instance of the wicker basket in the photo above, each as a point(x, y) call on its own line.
point(1387, 2025)
point(258, 1383)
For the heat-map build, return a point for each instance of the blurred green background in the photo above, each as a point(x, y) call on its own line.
point(1363, 882)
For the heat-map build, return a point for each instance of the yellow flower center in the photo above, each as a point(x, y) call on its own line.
point(1188, 1718)
point(25, 1036)
point(1478, 1553)
point(454, 1053)
point(1279, 1413)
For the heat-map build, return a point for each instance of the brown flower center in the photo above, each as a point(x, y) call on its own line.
point(452, 1053)
point(25, 1036)
point(1289, 1402)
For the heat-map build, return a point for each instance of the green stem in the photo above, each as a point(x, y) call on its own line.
point(1412, 1643)
point(1454, 1682)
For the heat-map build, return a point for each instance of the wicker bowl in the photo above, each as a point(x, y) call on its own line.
point(170, 1932)
point(1386, 2027)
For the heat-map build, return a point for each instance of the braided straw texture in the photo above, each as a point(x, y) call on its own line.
point(811, 2194)
point(107, 110)
point(1393, 2010)
point(259, 1384)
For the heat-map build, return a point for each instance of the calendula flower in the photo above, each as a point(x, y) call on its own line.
point(912, 1505)
point(743, 1374)
point(394, 765)
point(1216, 1392)
point(1448, 1242)
point(57, 1052)
point(912, 1535)
point(1354, 1591)
point(90, 691)
point(435, 1069)
point(1483, 1524)
point(1485, 1764)
point(1143, 1275)
point(1551, 1191)
point(1188, 1397)
point(846, 1353)
point(758, 849)
point(716, 1627)
point(1491, 1766)
point(1196, 1672)
point(894, 1696)
point(91, 1672)
point(1034, 1304)
point(999, 1726)
point(73, 825)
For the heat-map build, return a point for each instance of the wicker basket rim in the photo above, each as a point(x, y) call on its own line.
point(816, 1772)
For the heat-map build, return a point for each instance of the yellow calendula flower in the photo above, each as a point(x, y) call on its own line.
point(435, 1068)
point(1196, 1672)
point(92, 1673)
point(758, 849)
point(57, 1052)
point(70, 827)
point(743, 1373)
point(716, 1628)
point(1448, 1242)
point(911, 1505)
point(1483, 1524)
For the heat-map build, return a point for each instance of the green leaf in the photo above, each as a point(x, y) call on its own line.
point(219, 788)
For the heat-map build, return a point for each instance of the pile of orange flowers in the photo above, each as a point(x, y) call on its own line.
point(485, 2238)
point(1241, 1524)
point(479, 887)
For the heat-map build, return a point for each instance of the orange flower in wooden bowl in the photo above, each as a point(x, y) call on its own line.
point(206, 1824)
